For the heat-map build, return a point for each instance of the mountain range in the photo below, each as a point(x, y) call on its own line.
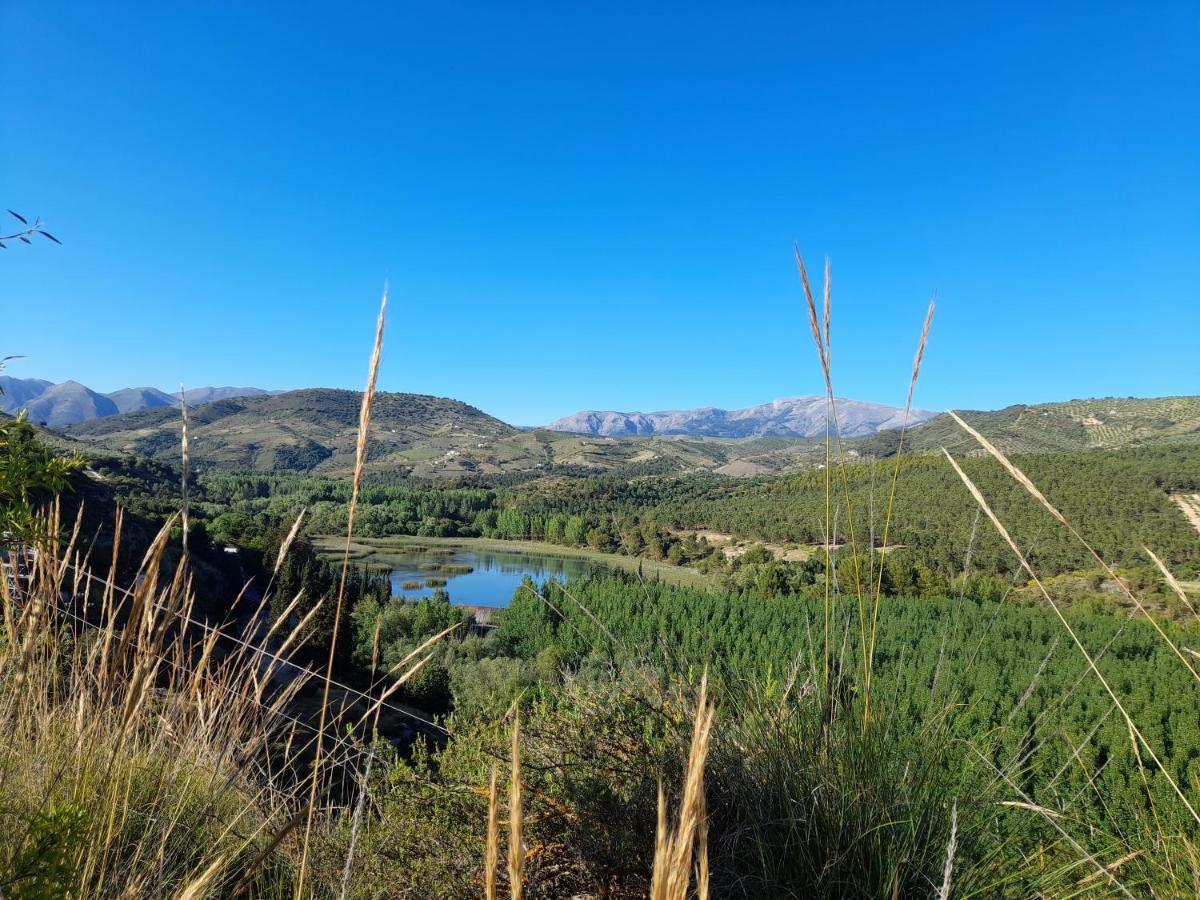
point(70, 402)
point(314, 430)
point(793, 417)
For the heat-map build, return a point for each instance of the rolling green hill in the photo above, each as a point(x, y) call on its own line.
point(1103, 424)
point(308, 430)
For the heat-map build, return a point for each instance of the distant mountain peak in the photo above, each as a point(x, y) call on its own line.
point(71, 402)
point(785, 417)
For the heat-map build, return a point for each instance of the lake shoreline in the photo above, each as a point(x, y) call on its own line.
point(364, 548)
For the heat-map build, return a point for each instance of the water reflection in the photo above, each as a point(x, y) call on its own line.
point(494, 578)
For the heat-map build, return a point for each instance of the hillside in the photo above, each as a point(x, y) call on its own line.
point(299, 431)
point(421, 436)
point(794, 417)
point(313, 431)
point(1099, 424)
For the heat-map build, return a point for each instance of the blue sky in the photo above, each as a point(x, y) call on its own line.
point(593, 205)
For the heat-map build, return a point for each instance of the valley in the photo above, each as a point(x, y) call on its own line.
point(586, 579)
point(575, 451)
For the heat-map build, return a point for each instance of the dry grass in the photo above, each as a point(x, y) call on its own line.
point(674, 847)
point(137, 756)
point(146, 753)
point(1178, 853)
point(491, 859)
point(516, 842)
point(364, 423)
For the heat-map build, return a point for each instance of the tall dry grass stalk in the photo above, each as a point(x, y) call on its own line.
point(891, 501)
point(1172, 582)
point(360, 458)
point(491, 860)
point(1022, 479)
point(185, 449)
point(293, 532)
point(820, 343)
point(820, 339)
point(1137, 737)
point(516, 819)
point(674, 847)
point(515, 860)
point(820, 329)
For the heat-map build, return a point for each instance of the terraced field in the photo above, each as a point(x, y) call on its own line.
point(1105, 423)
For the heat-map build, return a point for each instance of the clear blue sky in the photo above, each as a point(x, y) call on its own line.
point(593, 205)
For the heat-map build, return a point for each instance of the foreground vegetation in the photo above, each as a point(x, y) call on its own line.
point(876, 719)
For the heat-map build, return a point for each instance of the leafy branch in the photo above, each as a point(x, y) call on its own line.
point(29, 231)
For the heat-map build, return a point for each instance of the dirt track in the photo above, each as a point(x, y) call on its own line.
point(1189, 504)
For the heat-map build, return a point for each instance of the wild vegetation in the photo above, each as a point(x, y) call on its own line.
point(855, 708)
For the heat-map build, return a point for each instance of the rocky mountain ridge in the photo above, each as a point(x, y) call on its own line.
point(789, 417)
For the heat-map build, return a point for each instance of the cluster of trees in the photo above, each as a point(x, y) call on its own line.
point(238, 505)
point(628, 533)
point(1118, 500)
point(29, 472)
point(316, 581)
point(1008, 672)
point(241, 508)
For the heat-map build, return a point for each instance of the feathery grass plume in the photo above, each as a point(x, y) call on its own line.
point(200, 885)
point(951, 846)
point(1022, 479)
point(1024, 563)
point(828, 298)
point(821, 355)
point(832, 421)
point(360, 458)
point(186, 452)
point(662, 840)
point(287, 542)
point(491, 859)
point(702, 873)
point(674, 848)
point(891, 502)
point(812, 320)
point(516, 817)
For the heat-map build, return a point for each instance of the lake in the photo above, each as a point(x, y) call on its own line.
point(493, 580)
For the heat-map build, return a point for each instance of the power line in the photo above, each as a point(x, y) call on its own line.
point(265, 654)
point(350, 748)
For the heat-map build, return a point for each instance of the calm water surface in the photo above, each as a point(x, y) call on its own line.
point(495, 578)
